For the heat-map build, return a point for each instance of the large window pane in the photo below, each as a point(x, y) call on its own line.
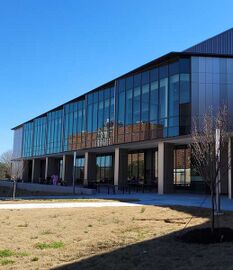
point(129, 109)
point(174, 96)
point(163, 98)
point(184, 88)
point(154, 101)
point(145, 103)
point(136, 105)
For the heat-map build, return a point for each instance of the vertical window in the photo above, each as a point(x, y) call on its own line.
point(89, 113)
point(184, 88)
point(129, 109)
point(121, 112)
point(136, 170)
point(121, 104)
point(95, 112)
point(101, 110)
point(79, 170)
point(39, 138)
point(136, 99)
point(27, 139)
point(185, 104)
point(129, 101)
point(174, 96)
point(145, 97)
point(163, 95)
point(55, 128)
point(104, 169)
point(154, 101)
point(173, 105)
point(145, 103)
point(163, 98)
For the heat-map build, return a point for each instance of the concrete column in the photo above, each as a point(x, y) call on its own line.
point(230, 178)
point(46, 167)
point(120, 167)
point(33, 169)
point(89, 168)
point(165, 167)
point(67, 169)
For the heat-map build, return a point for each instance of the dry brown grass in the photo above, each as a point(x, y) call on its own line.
point(47, 238)
point(8, 192)
point(83, 199)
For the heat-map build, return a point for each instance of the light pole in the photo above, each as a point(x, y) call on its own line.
point(74, 171)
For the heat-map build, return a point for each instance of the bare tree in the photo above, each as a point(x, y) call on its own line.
point(18, 168)
point(5, 160)
point(209, 140)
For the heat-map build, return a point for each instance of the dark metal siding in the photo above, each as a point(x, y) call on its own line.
point(220, 44)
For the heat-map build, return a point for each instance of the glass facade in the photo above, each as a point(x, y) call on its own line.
point(55, 132)
point(39, 137)
point(104, 167)
point(154, 104)
point(27, 140)
point(151, 104)
point(79, 170)
point(136, 168)
point(74, 125)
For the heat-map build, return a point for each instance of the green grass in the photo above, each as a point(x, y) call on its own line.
point(22, 254)
point(6, 262)
point(6, 253)
point(52, 245)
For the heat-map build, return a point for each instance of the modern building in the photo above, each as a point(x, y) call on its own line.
point(135, 129)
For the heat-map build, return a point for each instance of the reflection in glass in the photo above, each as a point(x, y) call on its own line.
point(104, 167)
point(182, 167)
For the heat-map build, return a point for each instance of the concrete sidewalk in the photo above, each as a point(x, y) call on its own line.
point(64, 205)
point(144, 199)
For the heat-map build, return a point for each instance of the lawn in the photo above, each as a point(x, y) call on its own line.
point(142, 237)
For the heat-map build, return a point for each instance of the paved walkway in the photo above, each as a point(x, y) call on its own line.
point(144, 199)
point(63, 205)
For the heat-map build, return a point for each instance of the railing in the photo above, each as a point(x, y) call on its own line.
point(128, 188)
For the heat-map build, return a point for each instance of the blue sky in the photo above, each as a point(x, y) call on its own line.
point(54, 50)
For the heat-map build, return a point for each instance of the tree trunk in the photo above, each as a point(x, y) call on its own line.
point(212, 209)
point(14, 189)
